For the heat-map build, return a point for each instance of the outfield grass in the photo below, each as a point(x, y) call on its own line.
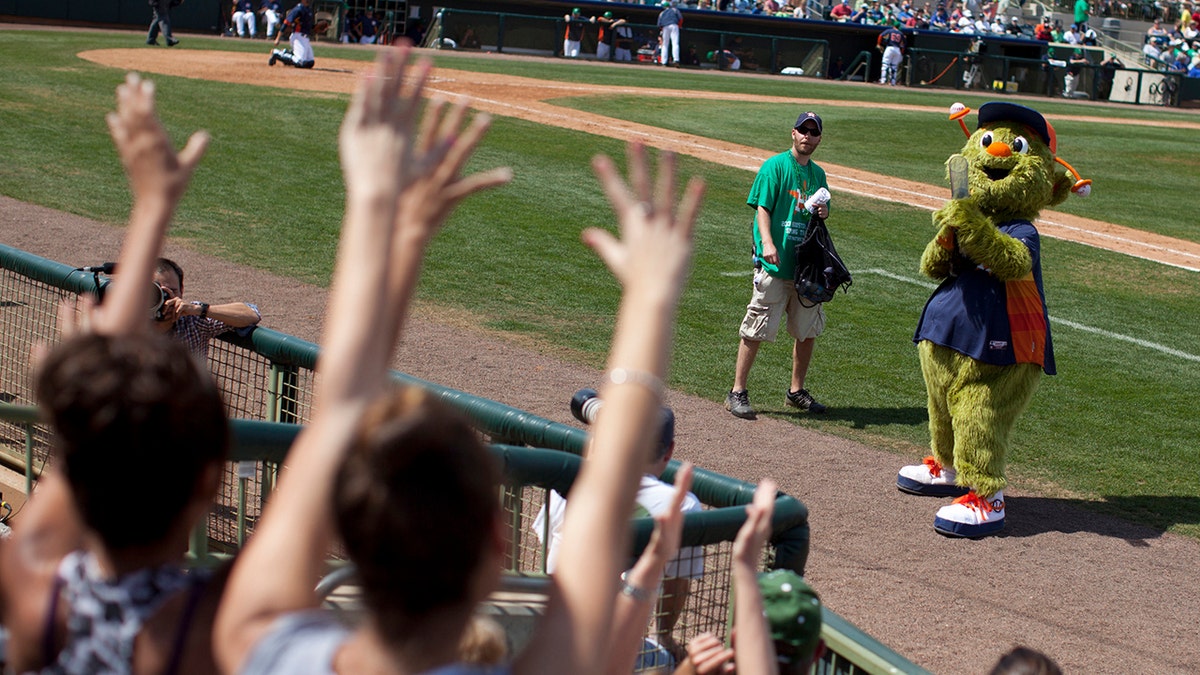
point(1115, 430)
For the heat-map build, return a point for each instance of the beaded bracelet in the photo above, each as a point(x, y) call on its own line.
point(640, 377)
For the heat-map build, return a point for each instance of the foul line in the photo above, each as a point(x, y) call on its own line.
point(1065, 322)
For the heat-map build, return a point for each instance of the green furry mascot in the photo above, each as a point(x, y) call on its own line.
point(984, 336)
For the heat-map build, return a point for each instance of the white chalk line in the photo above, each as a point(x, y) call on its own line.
point(929, 285)
point(755, 161)
point(1064, 322)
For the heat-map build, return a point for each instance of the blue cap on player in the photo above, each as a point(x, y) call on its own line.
point(809, 116)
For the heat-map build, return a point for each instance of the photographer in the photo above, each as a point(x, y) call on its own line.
point(196, 323)
point(654, 496)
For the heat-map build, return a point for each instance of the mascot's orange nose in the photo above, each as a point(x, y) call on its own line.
point(998, 149)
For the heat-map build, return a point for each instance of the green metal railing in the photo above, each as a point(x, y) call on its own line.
point(266, 378)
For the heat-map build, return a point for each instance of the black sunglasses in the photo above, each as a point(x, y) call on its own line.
point(811, 131)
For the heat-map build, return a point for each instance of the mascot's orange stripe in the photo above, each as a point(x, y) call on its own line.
point(1027, 320)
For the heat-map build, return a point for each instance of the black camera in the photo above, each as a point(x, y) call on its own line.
point(586, 404)
point(156, 299)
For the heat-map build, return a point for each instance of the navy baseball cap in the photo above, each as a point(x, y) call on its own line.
point(1000, 111)
point(816, 119)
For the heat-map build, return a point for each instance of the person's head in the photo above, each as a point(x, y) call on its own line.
point(608, 15)
point(139, 433)
point(806, 134)
point(169, 276)
point(1025, 661)
point(415, 503)
point(793, 612)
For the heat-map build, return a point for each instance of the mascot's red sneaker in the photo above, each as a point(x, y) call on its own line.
point(971, 516)
point(929, 479)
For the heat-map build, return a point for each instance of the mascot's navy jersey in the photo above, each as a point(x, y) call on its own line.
point(989, 320)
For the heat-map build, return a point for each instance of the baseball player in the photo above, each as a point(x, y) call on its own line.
point(300, 20)
point(669, 21)
point(604, 41)
point(272, 13)
point(892, 42)
point(575, 23)
point(244, 19)
point(624, 43)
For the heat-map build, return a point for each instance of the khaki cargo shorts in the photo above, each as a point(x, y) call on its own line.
point(771, 298)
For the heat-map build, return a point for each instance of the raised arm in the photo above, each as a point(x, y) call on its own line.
point(640, 587)
point(651, 261)
point(158, 177)
point(399, 188)
point(755, 652)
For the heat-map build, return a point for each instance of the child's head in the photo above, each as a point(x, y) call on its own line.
point(794, 615)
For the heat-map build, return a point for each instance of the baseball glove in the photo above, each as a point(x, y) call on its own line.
point(321, 26)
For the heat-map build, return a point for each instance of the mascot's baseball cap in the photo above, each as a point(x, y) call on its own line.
point(1000, 111)
point(804, 117)
point(793, 613)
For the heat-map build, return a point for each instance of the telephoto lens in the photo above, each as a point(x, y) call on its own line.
point(585, 404)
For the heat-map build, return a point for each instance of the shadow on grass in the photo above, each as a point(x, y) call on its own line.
point(1112, 517)
point(862, 418)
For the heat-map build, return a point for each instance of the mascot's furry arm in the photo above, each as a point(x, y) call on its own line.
point(978, 240)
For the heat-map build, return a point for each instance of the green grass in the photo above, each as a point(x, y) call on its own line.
point(1114, 430)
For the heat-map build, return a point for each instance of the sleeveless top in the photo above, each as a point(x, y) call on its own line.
point(106, 615)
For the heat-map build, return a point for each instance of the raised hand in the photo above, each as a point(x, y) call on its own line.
point(752, 536)
point(655, 238)
point(158, 177)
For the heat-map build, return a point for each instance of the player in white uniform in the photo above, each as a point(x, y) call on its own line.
point(300, 19)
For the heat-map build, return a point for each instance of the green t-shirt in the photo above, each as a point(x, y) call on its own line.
point(782, 186)
point(1081, 12)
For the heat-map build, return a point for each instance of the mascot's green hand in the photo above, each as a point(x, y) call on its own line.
point(937, 262)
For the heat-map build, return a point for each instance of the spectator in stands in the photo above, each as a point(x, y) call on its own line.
point(196, 323)
point(94, 578)
point(1073, 36)
point(1014, 27)
point(410, 486)
point(1082, 9)
point(1156, 30)
point(777, 615)
point(1043, 30)
point(1090, 38)
point(940, 19)
point(841, 11)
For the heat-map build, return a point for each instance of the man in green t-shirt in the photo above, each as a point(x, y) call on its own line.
point(781, 188)
point(1081, 14)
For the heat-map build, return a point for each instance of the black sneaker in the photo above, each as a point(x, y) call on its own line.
point(171, 42)
point(738, 403)
point(804, 401)
point(273, 59)
point(151, 42)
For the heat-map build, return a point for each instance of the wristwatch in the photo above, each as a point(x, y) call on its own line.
point(204, 310)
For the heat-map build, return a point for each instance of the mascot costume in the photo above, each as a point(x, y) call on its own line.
point(984, 336)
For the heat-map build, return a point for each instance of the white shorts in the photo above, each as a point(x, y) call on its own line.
point(771, 298)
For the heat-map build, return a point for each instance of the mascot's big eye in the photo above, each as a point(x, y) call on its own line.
point(1020, 145)
point(985, 140)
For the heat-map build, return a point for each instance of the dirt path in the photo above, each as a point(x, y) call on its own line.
point(1100, 595)
point(525, 98)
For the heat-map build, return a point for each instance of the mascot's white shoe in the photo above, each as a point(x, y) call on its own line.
point(971, 516)
point(929, 479)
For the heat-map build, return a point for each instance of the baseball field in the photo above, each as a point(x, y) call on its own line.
point(1104, 504)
